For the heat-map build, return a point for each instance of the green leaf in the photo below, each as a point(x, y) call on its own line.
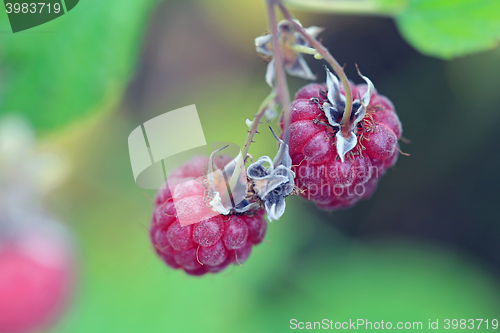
point(451, 28)
point(67, 69)
point(356, 7)
point(439, 28)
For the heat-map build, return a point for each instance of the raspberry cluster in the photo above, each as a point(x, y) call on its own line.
point(320, 174)
point(201, 247)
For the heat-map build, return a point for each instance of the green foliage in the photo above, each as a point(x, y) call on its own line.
point(68, 68)
point(440, 28)
point(451, 28)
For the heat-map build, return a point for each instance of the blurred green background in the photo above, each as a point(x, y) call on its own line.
point(425, 246)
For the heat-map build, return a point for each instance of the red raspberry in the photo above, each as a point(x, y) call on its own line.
point(35, 282)
point(207, 246)
point(310, 90)
point(320, 173)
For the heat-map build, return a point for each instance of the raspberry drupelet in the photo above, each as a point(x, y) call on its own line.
point(212, 241)
point(332, 171)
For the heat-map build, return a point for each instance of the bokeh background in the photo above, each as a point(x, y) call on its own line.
point(425, 246)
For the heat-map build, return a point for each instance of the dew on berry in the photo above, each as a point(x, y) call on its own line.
point(180, 237)
point(381, 144)
point(213, 255)
point(236, 234)
point(208, 232)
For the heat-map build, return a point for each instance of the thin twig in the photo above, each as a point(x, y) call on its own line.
point(282, 85)
point(327, 56)
point(251, 133)
point(255, 123)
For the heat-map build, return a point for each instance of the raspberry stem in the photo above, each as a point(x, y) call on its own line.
point(251, 133)
point(282, 86)
point(304, 49)
point(328, 57)
point(255, 123)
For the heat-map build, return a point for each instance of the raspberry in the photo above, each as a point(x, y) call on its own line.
point(35, 282)
point(310, 90)
point(242, 254)
point(322, 176)
point(236, 234)
point(180, 238)
point(211, 245)
point(256, 229)
point(382, 143)
point(208, 232)
point(213, 255)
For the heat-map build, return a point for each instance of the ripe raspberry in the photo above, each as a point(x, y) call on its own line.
point(320, 173)
point(35, 282)
point(206, 246)
point(310, 90)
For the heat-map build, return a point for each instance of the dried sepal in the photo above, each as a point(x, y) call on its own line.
point(223, 198)
point(290, 43)
point(334, 109)
point(271, 184)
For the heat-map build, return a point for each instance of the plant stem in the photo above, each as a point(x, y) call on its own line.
point(304, 49)
point(281, 86)
point(251, 133)
point(328, 57)
point(256, 122)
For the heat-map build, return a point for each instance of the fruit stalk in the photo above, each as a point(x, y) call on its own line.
point(255, 123)
point(328, 57)
point(282, 86)
point(251, 133)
